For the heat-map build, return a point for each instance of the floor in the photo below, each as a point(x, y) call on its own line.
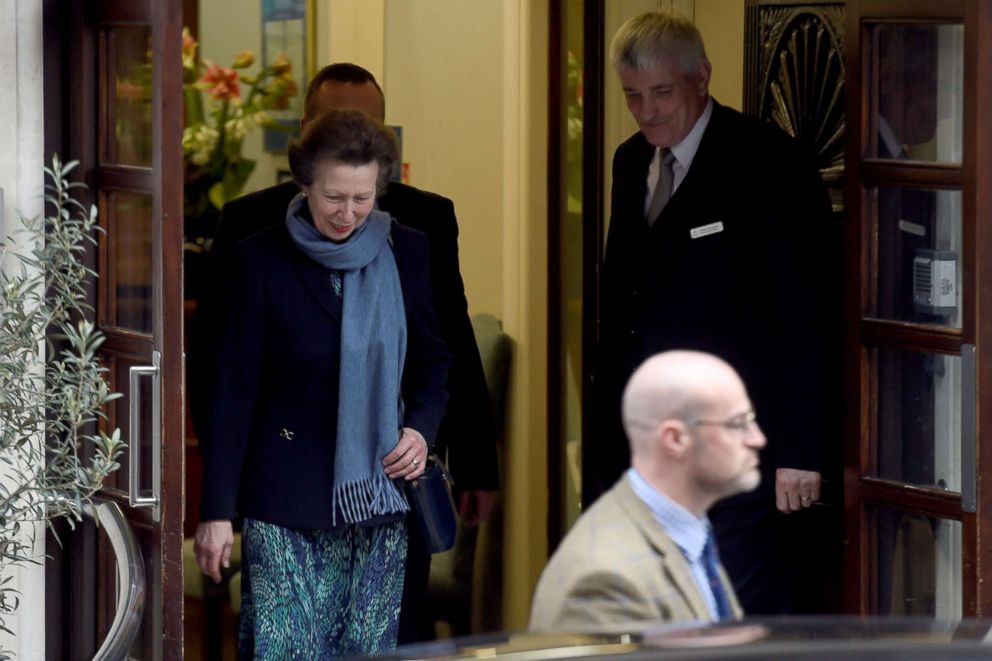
point(210, 641)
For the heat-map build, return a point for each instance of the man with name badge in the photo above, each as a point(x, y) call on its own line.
point(716, 243)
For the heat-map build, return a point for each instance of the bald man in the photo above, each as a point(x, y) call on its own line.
point(644, 552)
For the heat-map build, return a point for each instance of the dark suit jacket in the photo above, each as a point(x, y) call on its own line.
point(757, 293)
point(271, 435)
point(467, 434)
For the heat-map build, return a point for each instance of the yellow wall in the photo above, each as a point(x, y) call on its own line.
point(444, 73)
point(351, 31)
point(525, 300)
point(721, 23)
point(467, 82)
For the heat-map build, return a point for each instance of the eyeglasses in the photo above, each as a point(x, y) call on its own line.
point(742, 423)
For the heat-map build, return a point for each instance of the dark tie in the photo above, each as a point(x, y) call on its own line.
point(711, 562)
point(663, 189)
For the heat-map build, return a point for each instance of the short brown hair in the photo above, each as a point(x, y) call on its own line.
point(345, 136)
point(340, 72)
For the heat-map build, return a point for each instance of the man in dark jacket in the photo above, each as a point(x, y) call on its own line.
point(715, 242)
point(467, 435)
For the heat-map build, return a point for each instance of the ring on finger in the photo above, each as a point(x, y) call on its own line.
point(415, 462)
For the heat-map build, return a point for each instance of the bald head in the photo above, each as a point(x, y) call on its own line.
point(673, 385)
point(692, 431)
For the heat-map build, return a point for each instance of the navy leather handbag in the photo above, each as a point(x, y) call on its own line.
point(432, 510)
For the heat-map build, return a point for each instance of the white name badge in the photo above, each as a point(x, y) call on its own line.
point(912, 228)
point(706, 230)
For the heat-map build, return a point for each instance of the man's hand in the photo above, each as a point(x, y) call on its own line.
point(212, 546)
point(795, 489)
point(475, 506)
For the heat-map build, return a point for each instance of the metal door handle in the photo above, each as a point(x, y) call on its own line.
point(969, 434)
point(130, 580)
point(134, 438)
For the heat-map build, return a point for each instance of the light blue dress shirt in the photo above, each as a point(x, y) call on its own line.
point(688, 531)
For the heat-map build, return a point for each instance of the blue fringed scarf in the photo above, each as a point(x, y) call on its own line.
point(373, 347)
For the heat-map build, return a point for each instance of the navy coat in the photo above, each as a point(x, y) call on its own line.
point(737, 265)
point(268, 450)
point(467, 434)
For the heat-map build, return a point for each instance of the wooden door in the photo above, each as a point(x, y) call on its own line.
point(918, 176)
point(124, 113)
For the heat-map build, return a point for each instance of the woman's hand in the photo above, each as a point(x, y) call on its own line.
point(212, 546)
point(407, 459)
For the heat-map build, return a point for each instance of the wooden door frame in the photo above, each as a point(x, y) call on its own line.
point(974, 178)
point(170, 117)
point(978, 66)
point(70, 129)
point(592, 241)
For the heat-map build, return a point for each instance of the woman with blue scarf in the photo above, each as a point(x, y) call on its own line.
point(330, 389)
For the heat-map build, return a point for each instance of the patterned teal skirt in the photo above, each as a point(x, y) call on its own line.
point(320, 594)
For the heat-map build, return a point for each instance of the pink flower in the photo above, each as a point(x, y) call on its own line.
point(220, 82)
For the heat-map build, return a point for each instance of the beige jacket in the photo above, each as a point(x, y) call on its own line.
point(618, 566)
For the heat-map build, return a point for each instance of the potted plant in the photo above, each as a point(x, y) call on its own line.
point(54, 451)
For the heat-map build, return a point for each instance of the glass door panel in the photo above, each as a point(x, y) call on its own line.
point(918, 252)
point(128, 220)
point(919, 418)
point(572, 252)
point(918, 92)
point(917, 256)
point(918, 564)
point(129, 111)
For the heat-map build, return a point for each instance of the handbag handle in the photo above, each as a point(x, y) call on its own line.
point(432, 457)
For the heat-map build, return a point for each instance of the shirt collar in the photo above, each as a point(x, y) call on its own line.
point(688, 531)
point(686, 150)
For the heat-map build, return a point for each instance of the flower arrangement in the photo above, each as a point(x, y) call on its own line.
point(223, 105)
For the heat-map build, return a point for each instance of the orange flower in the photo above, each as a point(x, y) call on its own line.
point(282, 102)
point(221, 82)
point(281, 65)
point(129, 91)
point(278, 91)
point(239, 102)
point(243, 60)
point(290, 89)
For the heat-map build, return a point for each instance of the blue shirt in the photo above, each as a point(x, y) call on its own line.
point(688, 531)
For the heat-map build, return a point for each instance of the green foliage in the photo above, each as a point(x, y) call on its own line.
point(53, 455)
